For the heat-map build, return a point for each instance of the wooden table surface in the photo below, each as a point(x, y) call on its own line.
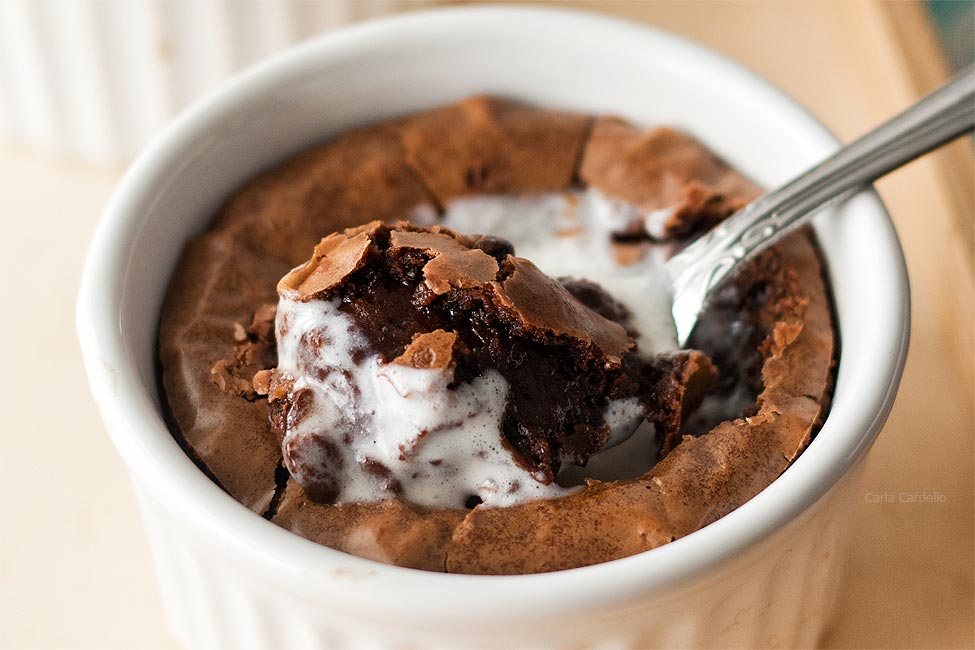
point(74, 566)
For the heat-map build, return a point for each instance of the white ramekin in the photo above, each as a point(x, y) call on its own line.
point(765, 575)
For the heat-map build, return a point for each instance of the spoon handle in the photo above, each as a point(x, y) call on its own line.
point(938, 118)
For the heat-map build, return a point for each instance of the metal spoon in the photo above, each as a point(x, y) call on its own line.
point(700, 267)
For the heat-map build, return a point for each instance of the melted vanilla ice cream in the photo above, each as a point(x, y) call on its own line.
point(440, 446)
point(417, 439)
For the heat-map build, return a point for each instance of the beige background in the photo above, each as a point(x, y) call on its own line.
point(74, 567)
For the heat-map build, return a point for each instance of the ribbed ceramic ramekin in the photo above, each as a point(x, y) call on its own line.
point(96, 79)
point(765, 575)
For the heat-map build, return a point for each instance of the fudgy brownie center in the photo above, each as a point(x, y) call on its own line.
point(558, 389)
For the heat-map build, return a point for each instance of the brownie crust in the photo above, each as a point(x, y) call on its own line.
point(411, 166)
point(215, 293)
point(662, 170)
point(489, 145)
